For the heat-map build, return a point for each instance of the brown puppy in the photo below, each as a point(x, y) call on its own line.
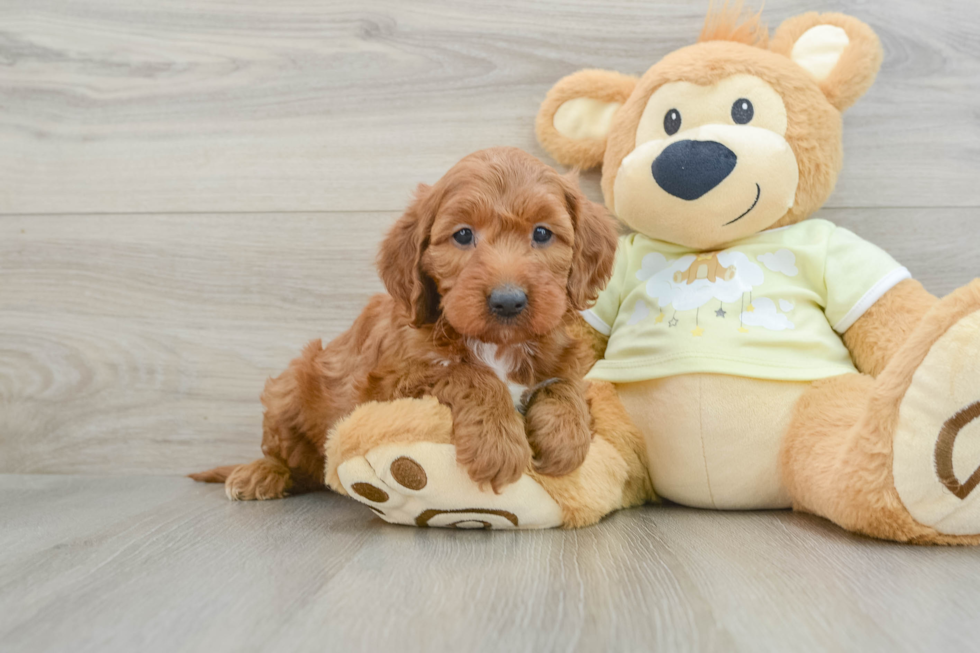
point(485, 271)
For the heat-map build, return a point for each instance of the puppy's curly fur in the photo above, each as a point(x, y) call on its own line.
point(435, 334)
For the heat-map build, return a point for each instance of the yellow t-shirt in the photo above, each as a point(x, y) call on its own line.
point(766, 306)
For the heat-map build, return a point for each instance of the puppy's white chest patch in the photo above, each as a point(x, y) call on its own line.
point(502, 366)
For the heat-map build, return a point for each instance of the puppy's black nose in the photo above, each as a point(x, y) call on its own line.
point(507, 301)
point(689, 169)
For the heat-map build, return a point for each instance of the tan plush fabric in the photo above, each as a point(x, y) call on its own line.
point(837, 436)
point(614, 474)
point(377, 423)
point(648, 209)
point(889, 452)
point(713, 440)
point(858, 64)
point(601, 85)
point(819, 49)
point(447, 497)
point(730, 23)
point(584, 117)
point(936, 476)
point(837, 458)
point(875, 337)
point(813, 126)
point(369, 452)
point(813, 106)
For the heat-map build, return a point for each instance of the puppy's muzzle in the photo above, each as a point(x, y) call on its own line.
point(507, 302)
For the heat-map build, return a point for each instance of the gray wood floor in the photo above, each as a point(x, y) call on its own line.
point(191, 189)
point(161, 564)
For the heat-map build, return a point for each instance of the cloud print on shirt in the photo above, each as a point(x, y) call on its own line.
point(765, 315)
point(782, 260)
point(688, 296)
point(640, 312)
point(650, 265)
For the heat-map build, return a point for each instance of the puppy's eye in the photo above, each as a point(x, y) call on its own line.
point(672, 122)
point(464, 236)
point(742, 111)
point(541, 235)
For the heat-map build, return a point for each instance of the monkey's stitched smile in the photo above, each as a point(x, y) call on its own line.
point(758, 192)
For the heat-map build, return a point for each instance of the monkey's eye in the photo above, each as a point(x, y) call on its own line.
point(541, 235)
point(742, 111)
point(464, 236)
point(672, 122)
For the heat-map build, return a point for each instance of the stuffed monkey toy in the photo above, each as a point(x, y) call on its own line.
point(748, 357)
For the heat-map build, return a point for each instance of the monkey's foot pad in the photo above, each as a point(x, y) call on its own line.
point(936, 454)
point(420, 484)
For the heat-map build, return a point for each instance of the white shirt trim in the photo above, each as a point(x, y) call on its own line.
point(876, 292)
point(596, 322)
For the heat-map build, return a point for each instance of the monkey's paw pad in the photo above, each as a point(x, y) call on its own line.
point(937, 443)
point(420, 484)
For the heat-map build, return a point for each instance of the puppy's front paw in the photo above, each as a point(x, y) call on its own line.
point(559, 432)
point(495, 454)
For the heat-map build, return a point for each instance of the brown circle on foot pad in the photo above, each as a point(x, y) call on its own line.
point(422, 521)
point(408, 473)
point(483, 525)
point(944, 452)
point(370, 492)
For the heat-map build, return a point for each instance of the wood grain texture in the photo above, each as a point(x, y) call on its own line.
point(140, 344)
point(206, 105)
point(128, 342)
point(163, 564)
point(192, 189)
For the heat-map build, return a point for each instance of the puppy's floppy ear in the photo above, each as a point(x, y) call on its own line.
point(594, 250)
point(575, 117)
point(400, 259)
point(841, 53)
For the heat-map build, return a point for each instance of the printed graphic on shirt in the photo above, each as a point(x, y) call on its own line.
point(781, 260)
point(727, 277)
point(771, 306)
point(762, 312)
point(640, 313)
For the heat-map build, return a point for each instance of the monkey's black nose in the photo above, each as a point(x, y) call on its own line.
point(507, 301)
point(689, 169)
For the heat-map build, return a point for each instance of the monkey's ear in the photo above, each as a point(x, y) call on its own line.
point(576, 115)
point(840, 52)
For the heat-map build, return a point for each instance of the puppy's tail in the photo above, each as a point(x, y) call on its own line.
point(216, 475)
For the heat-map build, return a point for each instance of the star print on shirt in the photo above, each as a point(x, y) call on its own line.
point(673, 321)
point(720, 312)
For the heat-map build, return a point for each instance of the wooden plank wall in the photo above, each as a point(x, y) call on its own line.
point(191, 189)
